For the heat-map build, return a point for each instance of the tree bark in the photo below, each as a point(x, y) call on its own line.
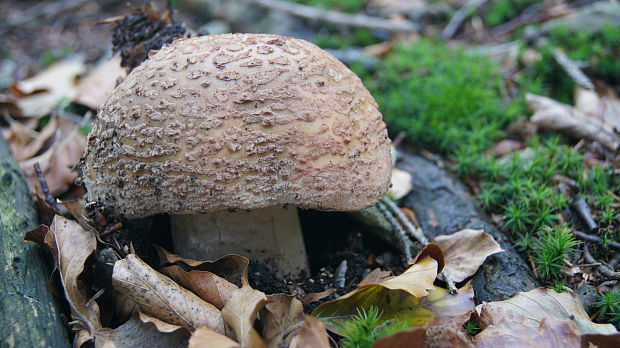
point(29, 315)
point(443, 206)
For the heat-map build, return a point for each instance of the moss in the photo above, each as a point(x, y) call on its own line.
point(501, 11)
point(351, 6)
point(354, 38)
point(364, 329)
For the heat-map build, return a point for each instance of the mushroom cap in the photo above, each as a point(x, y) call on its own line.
point(238, 121)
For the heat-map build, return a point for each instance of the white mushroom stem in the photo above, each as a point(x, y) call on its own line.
point(270, 235)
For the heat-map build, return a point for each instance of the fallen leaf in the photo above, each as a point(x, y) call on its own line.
point(315, 296)
point(465, 250)
point(162, 298)
point(551, 333)
point(71, 246)
point(413, 338)
point(208, 286)
point(95, 88)
point(538, 304)
point(401, 183)
point(313, 334)
point(205, 337)
point(375, 276)
point(142, 331)
point(601, 341)
point(553, 115)
point(281, 316)
point(241, 311)
point(53, 85)
point(505, 147)
point(57, 162)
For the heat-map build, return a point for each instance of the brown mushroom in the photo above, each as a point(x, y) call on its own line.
point(228, 134)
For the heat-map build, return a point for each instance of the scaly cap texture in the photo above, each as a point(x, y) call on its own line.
point(238, 121)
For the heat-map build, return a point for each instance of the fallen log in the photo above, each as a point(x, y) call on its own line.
point(443, 206)
point(29, 315)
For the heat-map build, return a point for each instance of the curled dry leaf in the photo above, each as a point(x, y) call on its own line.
point(142, 330)
point(205, 337)
point(95, 88)
point(52, 86)
point(465, 251)
point(313, 334)
point(27, 145)
point(241, 311)
point(551, 333)
point(57, 162)
point(162, 298)
point(550, 114)
point(315, 296)
point(375, 276)
point(539, 304)
point(280, 318)
point(71, 246)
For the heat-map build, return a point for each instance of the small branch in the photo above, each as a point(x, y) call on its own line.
point(405, 242)
point(117, 226)
point(340, 18)
point(604, 269)
point(459, 17)
point(49, 199)
point(580, 206)
point(572, 69)
point(595, 239)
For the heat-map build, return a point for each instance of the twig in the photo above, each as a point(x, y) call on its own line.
point(117, 226)
point(49, 199)
point(580, 206)
point(417, 234)
point(595, 239)
point(340, 18)
point(405, 242)
point(605, 271)
point(572, 69)
point(459, 17)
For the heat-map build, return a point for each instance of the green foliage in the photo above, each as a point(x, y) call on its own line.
point(558, 286)
point(471, 327)
point(554, 245)
point(599, 50)
point(351, 6)
point(354, 38)
point(446, 100)
point(500, 11)
point(365, 328)
point(52, 55)
point(609, 304)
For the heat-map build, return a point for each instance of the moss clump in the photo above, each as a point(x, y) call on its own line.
point(354, 38)
point(444, 99)
point(599, 51)
point(364, 329)
point(351, 6)
point(609, 304)
point(501, 11)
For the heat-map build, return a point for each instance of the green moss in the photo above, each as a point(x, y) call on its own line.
point(366, 327)
point(355, 38)
point(446, 100)
point(501, 11)
point(351, 6)
point(609, 304)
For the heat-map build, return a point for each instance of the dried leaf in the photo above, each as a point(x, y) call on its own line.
point(551, 333)
point(465, 251)
point(280, 317)
point(208, 286)
point(162, 298)
point(52, 86)
point(538, 304)
point(401, 183)
point(402, 298)
point(56, 162)
point(95, 88)
point(550, 114)
point(315, 296)
point(241, 311)
point(71, 246)
point(601, 341)
point(205, 337)
point(376, 276)
point(413, 338)
point(505, 147)
point(313, 334)
point(142, 331)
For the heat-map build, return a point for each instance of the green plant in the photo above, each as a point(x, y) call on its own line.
point(500, 11)
point(352, 6)
point(554, 245)
point(471, 327)
point(364, 329)
point(609, 304)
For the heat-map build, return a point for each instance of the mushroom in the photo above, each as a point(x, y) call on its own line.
point(229, 134)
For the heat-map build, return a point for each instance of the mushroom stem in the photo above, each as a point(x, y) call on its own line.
point(270, 235)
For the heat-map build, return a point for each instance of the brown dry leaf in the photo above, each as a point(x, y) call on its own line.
point(601, 341)
point(551, 333)
point(505, 147)
point(162, 298)
point(375, 276)
point(550, 114)
point(142, 330)
point(241, 311)
point(421, 337)
point(95, 88)
point(465, 251)
point(280, 318)
point(205, 337)
point(52, 86)
point(26, 151)
point(208, 286)
point(313, 334)
point(57, 162)
point(315, 296)
point(71, 246)
point(230, 267)
point(413, 338)
point(539, 304)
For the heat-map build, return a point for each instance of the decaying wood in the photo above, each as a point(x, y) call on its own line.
point(443, 206)
point(28, 312)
